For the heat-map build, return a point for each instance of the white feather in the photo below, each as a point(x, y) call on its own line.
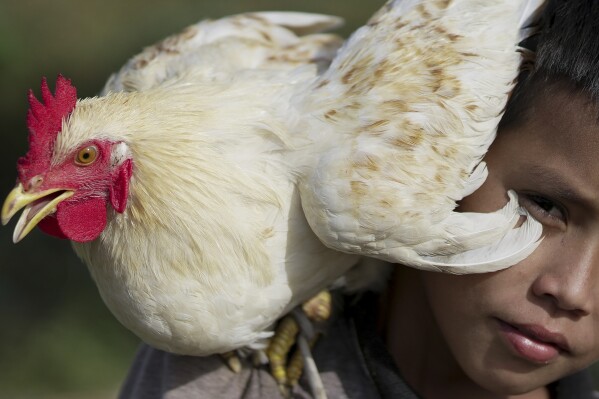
point(402, 118)
point(512, 248)
point(475, 180)
point(218, 48)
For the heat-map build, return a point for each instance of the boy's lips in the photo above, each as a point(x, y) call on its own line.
point(533, 342)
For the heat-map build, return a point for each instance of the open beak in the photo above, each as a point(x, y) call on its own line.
point(37, 206)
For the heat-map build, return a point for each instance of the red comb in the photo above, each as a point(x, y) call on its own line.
point(45, 122)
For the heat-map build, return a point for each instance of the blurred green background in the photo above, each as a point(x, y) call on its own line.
point(57, 339)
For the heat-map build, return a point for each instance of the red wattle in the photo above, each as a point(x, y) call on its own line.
point(49, 225)
point(82, 221)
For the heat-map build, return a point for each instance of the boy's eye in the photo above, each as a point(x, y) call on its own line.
point(544, 209)
point(543, 203)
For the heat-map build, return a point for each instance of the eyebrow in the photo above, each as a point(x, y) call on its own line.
point(556, 183)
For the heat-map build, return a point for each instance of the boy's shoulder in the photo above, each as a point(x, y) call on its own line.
point(157, 374)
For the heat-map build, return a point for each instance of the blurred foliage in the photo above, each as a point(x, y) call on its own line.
point(57, 338)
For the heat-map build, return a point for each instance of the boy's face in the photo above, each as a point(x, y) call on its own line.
point(523, 327)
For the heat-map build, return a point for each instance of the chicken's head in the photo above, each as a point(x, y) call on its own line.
point(66, 195)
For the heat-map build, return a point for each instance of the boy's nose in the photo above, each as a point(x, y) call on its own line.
point(568, 280)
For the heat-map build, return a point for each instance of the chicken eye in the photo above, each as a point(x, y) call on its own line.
point(86, 155)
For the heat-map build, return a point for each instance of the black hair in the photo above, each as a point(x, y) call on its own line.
point(565, 49)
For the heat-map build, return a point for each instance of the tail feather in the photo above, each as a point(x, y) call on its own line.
point(515, 246)
point(465, 231)
point(472, 229)
point(414, 98)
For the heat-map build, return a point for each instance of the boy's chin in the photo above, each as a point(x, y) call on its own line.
point(519, 385)
point(503, 381)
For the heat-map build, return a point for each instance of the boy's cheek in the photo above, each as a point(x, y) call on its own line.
point(491, 196)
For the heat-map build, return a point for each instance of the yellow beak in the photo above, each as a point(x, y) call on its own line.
point(37, 206)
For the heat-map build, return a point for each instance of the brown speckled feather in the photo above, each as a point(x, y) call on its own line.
point(404, 116)
point(217, 47)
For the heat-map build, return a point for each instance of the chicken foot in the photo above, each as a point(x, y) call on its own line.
point(297, 328)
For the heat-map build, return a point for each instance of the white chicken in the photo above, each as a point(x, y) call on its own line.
point(175, 186)
point(180, 187)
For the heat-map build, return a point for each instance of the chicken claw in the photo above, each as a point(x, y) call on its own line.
point(318, 308)
point(232, 361)
point(279, 347)
point(288, 371)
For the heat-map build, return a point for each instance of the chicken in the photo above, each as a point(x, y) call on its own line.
point(180, 187)
point(175, 189)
